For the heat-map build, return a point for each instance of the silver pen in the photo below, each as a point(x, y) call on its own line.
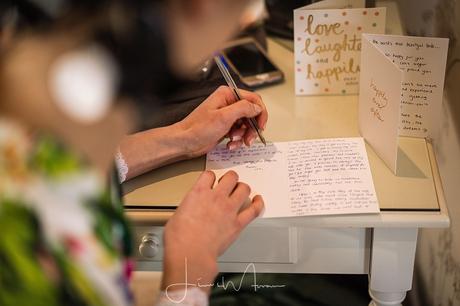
point(250, 122)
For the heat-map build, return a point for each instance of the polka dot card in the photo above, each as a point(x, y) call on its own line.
point(327, 45)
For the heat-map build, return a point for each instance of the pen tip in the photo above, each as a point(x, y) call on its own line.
point(263, 141)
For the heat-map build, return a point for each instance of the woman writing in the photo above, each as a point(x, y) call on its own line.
point(73, 76)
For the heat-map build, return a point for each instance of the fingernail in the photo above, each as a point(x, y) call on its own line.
point(236, 138)
point(232, 147)
point(251, 141)
point(257, 108)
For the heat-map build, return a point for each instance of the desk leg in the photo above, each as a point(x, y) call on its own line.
point(391, 265)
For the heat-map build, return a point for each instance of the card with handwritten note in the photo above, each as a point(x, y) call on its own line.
point(303, 178)
point(327, 47)
point(401, 87)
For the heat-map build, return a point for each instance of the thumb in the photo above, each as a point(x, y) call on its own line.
point(240, 109)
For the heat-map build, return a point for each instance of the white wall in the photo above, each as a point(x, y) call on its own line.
point(437, 273)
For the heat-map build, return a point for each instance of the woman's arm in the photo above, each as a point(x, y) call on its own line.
point(197, 134)
point(150, 149)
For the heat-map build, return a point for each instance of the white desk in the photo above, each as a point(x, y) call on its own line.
point(382, 245)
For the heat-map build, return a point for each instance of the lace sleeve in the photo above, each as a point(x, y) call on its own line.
point(191, 296)
point(122, 166)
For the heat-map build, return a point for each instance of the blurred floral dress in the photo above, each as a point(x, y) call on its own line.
point(63, 241)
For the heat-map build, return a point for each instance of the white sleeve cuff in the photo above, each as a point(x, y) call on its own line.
point(122, 166)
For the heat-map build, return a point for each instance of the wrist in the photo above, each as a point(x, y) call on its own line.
point(177, 141)
point(184, 140)
point(179, 136)
point(151, 149)
point(186, 267)
point(188, 271)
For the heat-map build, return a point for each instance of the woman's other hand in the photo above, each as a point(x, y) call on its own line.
point(206, 223)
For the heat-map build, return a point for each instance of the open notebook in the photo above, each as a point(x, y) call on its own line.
point(302, 178)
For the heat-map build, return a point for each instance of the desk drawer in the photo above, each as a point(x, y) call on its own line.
point(318, 250)
point(279, 250)
point(255, 244)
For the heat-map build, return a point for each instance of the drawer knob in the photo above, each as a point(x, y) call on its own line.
point(149, 246)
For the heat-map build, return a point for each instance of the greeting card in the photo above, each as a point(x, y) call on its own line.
point(327, 48)
point(336, 4)
point(401, 89)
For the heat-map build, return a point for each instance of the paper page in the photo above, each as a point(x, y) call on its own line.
point(423, 62)
point(311, 177)
point(379, 102)
point(263, 168)
point(327, 48)
point(330, 176)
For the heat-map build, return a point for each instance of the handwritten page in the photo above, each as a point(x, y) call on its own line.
point(401, 86)
point(423, 63)
point(327, 48)
point(303, 178)
point(263, 168)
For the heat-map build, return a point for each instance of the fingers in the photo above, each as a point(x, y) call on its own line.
point(237, 132)
point(227, 183)
point(241, 135)
point(236, 135)
point(255, 98)
point(223, 97)
point(206, 180)
point(249, 136)
point(242, 109)
point(233, 145)
point(241, 193)
point(248, 214)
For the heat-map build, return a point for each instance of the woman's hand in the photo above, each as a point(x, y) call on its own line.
point(220, 116)
point(205, 224)
point(217, 117)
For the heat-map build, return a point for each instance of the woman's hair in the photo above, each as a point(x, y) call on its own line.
point(134, 33)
